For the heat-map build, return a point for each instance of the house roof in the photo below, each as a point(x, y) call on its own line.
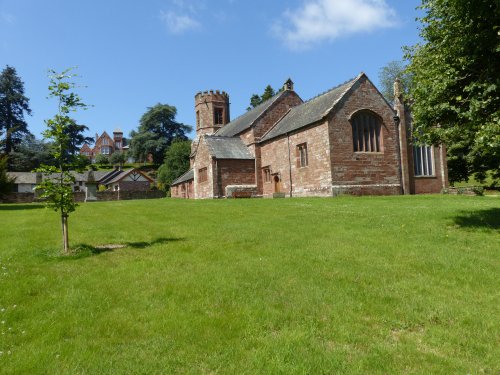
point(189, 175)
point(227, 147)
point(122, 174)
point(247, 119)
point(310, 111)
point(23, 177)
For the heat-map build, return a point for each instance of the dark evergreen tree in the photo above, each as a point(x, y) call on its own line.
point(31, 153)
point(6, 183)
point(268, 93)
point(13, 105)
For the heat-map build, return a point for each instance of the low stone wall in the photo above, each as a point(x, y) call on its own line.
point(80, 196)
point(18, 198)
point(241, 191)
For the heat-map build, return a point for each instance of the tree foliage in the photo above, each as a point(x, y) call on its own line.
point(388, 74)
point(176, 162)
point(77, 139)
point(456, 83)
point(256, 99)
point(157, 130)
point(6, 183)
point(13, 105)
point(57, 186)
point(118, 158)
point(30, 154)
point(102, 159)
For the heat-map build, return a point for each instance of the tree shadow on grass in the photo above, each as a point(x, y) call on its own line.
point(19, 207)
point(483, 219)
point(85, 250)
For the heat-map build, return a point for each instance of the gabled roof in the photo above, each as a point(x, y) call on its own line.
point(23, 177)
point(310, 111)
point(189, 175)
point(247, 119)
point(118, 175)
point(227, 147)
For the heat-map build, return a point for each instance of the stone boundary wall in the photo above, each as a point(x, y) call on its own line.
point(80, 196)
point(18, 198)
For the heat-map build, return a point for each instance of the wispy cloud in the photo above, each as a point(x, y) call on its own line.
point(7, 18)
point(178, 23)
point(325, 20)
point(183, 15)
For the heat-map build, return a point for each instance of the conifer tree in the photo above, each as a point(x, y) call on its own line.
point(13, 105)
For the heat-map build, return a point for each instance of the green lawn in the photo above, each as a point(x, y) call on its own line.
point(372, 285)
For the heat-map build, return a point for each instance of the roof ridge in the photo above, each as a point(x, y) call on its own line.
point(255, 108)
point(330, 90)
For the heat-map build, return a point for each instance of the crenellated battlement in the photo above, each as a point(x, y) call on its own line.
point(212, 111)
point(211, 95)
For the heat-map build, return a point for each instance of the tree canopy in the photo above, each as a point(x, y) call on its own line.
point(157, 130)
point(456, 83)
point(118, 158)
point(13, 105)
point(31, 153)
point(256, 99)
point(176, 162)
point(388, 74)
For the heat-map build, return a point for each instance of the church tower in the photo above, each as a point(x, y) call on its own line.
point(212, 111)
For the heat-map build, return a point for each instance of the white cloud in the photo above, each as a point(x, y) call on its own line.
point(325, 20)
point(178, 23)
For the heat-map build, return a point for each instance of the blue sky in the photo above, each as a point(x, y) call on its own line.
point(134, 54)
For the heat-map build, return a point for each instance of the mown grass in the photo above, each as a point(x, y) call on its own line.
point(291, 286)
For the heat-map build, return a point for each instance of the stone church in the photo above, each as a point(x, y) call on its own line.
point(348, 140)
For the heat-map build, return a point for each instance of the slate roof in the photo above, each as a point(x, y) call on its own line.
point(311, 111)
point(30, 177)
point(247, 119)
point(23, 177)
point(227, 147)
point(189, 175)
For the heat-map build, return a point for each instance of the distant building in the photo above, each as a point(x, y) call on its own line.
point(105, 145)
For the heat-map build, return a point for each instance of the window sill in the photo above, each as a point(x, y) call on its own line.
point(425, 177)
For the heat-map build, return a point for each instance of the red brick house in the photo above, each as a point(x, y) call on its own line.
point(348, 140)
point(105, 145)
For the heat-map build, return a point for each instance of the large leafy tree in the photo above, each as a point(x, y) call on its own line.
point(456, 83)
point(157, 130)
point(176, 162)
point(13, 106)
point(388, 74)
point(57, 186)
